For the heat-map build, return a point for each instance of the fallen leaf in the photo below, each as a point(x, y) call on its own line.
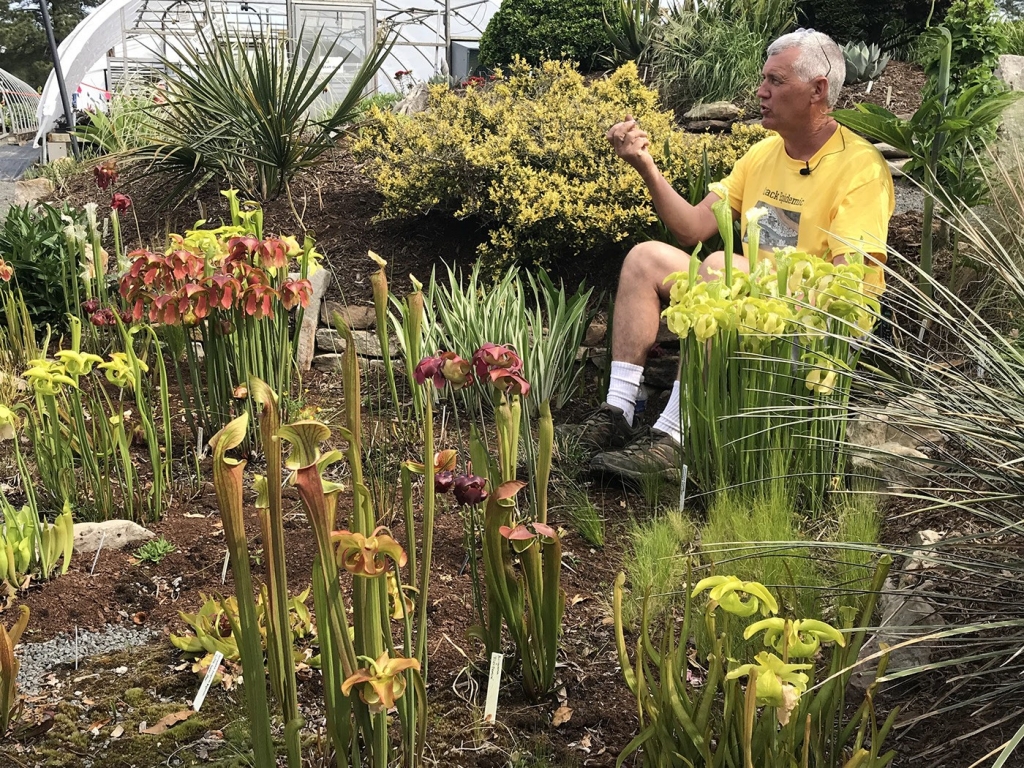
point(117, 732)
point(194, 514)
point(562, 715)
point(577, 599)
point(166, 722)
point(140, 617)
point(94, 729)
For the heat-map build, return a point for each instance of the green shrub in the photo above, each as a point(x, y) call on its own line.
point(978, 39)
point(655, 564)
point(892, 24)
point(239, 112)
point(539, 29)
point(527, 157)
point(33, 243)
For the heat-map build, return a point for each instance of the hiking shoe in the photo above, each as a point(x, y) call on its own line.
point(606, 429)
point(652, 456)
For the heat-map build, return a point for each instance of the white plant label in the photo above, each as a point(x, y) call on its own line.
point(211, 673)
point(493, 686)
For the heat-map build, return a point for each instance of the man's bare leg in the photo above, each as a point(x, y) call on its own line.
point(638, 302)
point(659, 453)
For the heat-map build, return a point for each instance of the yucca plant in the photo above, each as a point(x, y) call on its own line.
point(632, 29)
point(238, 109)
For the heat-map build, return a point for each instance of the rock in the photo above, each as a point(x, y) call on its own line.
point(328, 362)
point(31, 191)
point(896, 167)
point(307, 333)
point(115, 534)
point(1011, 71)
point(898, 466)
point(708, 126)
point(596, 355)
point(332, 362)
point(902, 612)
point(356, 316)
point(910, 421)
point(10, 380)
point(920, 559)
point(329, 340)
point(889, 152)
point(661, 372)
point(716, 110)
point(596, 334)
point(415, 101)
point(666, 338)
point(367, 345)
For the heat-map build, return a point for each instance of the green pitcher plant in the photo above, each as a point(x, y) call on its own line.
point(766, 363)
point(767, 712)
point(82, 433)
point(368, 675)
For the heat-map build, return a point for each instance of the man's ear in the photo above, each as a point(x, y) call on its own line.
point(819, 90)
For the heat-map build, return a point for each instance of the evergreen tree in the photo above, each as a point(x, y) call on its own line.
point(24, 51)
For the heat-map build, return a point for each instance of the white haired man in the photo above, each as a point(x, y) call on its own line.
point(826, 191)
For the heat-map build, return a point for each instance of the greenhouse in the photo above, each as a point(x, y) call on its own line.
point(124, 40)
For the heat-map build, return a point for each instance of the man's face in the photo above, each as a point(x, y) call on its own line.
point(786, 100)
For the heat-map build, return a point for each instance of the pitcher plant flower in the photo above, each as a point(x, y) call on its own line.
point(8, 423)
point(368, 555)
point(470, 490)
point(778, 684)
point(799, 638)
point(6, 271)
point(382, 683)
point(105, 174)
point(726, 592)
point(118, 369)
point(77, 364)
point(47, 377)
point(120, 202)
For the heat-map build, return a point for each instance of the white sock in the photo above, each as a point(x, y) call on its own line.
point(623, 384)
point(668, 422)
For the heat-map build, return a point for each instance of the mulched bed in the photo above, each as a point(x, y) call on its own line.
point(338, 204)
point(898, 89)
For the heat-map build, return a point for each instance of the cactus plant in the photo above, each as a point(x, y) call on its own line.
point(863, 62)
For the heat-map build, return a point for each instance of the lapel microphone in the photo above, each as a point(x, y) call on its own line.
point(806, 171)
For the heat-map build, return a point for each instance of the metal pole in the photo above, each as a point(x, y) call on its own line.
point(69, 115)
point(448, 36)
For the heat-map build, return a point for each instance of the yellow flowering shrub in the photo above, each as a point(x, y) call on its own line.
point(526, 155)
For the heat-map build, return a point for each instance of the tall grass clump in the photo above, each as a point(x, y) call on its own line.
point(655, 566)
point(958, 388)
point(715, 52)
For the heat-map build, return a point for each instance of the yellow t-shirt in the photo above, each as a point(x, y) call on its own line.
point(842, 206)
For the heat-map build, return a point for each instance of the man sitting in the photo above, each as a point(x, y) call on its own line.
point(826, 191)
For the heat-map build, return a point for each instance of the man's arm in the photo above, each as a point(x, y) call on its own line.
point(690, 224)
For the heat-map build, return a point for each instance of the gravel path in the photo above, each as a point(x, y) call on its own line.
point(37, 659)
point(908, 197)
